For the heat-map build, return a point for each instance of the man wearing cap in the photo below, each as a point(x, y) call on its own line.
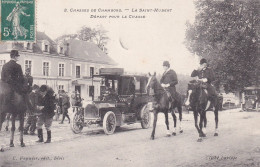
point(46, 104)
point(13, 75)
point(206, 75)
point(169, 79)
point(65, 101)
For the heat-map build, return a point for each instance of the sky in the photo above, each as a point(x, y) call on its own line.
point(149, 41)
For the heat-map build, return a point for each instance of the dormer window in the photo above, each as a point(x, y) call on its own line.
point(61, 50)
point(46, 48)
point(28, 46)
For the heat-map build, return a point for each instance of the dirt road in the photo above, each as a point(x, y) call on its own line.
point(238, 144)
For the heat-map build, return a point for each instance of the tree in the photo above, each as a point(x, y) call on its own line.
point(227, 33)
point(86, 34)
point(97, 35)
point(101, 37)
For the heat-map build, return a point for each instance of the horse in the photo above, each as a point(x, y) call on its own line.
point(199, 104)
point(17, 109)
point(164, 105)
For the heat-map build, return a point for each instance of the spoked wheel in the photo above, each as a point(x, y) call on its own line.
point(77, 121)
point(109, 123)
point(145, 117)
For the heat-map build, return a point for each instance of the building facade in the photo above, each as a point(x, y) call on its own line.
point(66, 65)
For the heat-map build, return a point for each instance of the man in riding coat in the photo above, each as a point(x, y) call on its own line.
point(169, 79)
point(46, 104)
point(13, 75)
point(206, 75)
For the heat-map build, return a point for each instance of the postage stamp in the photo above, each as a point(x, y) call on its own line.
point(17, 20)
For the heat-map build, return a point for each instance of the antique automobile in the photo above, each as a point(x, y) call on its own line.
point(123, 100)
point(251, 98)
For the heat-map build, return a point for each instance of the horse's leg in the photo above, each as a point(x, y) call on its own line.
point(21, 121)
point(167, 123)
point(216, 121)
point(174, 120)
point(155, 113)
point(202, 120)
point(195, 114)
point(12, 130)
point(200, 126)
point(180, 116)
point(2, 119)
point(205, 124)
point(8, 117)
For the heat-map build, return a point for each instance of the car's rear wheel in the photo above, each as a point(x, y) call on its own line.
point(109, 123)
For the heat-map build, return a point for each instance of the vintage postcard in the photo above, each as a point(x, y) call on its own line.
point(136, 83)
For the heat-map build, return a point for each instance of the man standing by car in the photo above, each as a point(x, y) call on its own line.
point(65, 106)
point(169, 79)
point(46, 104)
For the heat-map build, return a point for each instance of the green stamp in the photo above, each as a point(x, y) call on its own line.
point(17, 20)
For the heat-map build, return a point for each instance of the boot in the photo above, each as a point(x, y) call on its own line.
point(40, 135)
point(48, 137)
point(63, 117)
point(69, 119)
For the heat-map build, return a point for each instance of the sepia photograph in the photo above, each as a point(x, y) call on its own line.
point(131, 83)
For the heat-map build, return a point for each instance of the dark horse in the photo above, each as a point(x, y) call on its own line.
point(17, 109)
point(164, 105)
point(200, 103)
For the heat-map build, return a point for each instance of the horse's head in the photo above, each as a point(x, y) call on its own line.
point(152, 82)
point(194, 88)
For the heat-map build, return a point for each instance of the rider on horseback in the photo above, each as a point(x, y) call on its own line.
point(13, 75)
point(169, 79)
point(206, 75)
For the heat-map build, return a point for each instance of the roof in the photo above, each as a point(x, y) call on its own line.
point(88, 51)
point(43, 36)
point(81, 50)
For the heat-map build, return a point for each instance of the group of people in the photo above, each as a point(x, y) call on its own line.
point(204, 74)
point(40, 100)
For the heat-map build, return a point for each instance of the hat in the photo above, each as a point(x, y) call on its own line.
point(166, 63)
point(202, 61)
point(14, 53)
point(43, 88)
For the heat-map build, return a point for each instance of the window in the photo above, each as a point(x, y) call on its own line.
point(91, 71)
point(77, 71)
point(91, 91)
point(46, 68)
point(61, 70)
point(28, 46)
point(28, 64)
point(46, 48)
point(2, 62)
point(61, 50)
point(61, 87)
